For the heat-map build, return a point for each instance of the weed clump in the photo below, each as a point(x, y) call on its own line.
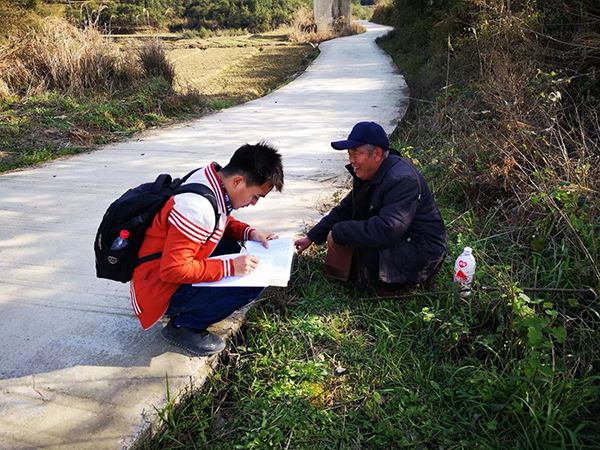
point(58, 56)
point(303, 28)
point(155, 62)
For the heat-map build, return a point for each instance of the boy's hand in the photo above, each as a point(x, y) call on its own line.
point(244, 264)
point(263, 236)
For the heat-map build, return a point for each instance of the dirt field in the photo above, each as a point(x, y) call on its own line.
point(237, 69)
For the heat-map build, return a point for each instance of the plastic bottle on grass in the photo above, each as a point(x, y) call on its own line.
point(121, 241)
point(464, 270)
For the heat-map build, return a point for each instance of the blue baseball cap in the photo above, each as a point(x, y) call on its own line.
point(364, 133)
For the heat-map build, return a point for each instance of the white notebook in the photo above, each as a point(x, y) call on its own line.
point(274, 265)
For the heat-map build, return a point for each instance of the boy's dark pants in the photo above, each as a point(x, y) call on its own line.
point(200, 307)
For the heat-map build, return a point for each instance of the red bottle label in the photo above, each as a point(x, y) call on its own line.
point(460, 276)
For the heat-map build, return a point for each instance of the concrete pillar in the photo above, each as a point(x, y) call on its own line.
point(323, 13)
point(328, 11)
point(342, 9)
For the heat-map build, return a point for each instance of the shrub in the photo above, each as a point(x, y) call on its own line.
point(58, 56)
point(253, 15)
point(303, 28)
point(128, 14)
point(200, 33)
point(155, 62)
point(510, 122)
point(360, 12)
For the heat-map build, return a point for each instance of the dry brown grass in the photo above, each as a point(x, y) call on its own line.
point(153, 57)
point(237, 74)
point(58, 56)
point(542, 132)
point(201, 67)
point(524, 142)
point(304, 29)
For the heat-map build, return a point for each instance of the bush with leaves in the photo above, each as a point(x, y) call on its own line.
point(512, 116)
point(253, 15)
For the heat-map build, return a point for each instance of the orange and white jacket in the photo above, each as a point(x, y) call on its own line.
point(181, 232)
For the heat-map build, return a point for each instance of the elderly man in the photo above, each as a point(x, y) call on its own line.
point(390, 218)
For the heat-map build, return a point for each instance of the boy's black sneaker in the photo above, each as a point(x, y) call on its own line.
point(199, 343)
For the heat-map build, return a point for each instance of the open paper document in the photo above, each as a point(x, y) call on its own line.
point(274, 265)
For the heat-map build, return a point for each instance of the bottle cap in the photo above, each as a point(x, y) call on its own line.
point(467, 250)
point(124, 234)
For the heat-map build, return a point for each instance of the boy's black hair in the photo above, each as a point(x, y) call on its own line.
point(259, 164)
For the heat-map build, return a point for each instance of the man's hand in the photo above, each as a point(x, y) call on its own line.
point(263, 236)
point(302, 244)
point(244, 264)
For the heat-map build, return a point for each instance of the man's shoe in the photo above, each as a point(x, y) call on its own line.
point(199, 343)
point(383, 292)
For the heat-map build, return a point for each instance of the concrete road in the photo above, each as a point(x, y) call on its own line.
point(76, 369)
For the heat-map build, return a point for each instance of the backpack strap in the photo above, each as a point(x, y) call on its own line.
point(184, 179)
point(194, 188)
point(162, 180)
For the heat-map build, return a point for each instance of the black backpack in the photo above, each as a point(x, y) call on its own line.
point(134, 211)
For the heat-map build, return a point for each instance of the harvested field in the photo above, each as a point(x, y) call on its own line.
point(237, 72)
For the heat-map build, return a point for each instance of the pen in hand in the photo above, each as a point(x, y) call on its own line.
point(244, 264)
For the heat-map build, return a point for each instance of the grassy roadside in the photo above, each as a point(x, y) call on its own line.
point(324, 365)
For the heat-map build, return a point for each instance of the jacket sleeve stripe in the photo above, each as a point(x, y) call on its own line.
point(193, 232)
point(226, 268)
point(216, 238)
point(247, 232)
point(136, 307)
point(188, 223)
point(190, 234)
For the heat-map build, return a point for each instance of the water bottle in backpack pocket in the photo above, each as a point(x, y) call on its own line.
point(121, 241)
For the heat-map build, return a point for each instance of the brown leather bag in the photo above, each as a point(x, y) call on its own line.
point(338, 262)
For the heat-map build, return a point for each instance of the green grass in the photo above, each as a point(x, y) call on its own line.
point(324, 365)
point(40, 128)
